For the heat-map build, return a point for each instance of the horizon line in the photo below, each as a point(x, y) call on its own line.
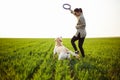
point(65, 37)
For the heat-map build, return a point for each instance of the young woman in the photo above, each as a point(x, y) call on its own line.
point(81, 32)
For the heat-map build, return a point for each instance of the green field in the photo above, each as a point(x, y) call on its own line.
point(32, 59)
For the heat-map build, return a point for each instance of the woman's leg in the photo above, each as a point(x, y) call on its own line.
point(80, 44)
point(73, 42)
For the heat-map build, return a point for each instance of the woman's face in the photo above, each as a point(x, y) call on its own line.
point(77, 13)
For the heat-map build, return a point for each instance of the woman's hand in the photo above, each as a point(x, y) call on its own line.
point(77, 27)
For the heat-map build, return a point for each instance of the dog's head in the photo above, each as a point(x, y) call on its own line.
point(58, 41)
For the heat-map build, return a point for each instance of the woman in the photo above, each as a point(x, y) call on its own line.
point(81, 32)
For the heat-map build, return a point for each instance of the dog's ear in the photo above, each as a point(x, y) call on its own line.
point(56, 39)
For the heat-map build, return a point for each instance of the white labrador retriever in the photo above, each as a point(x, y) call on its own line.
point(62, 51)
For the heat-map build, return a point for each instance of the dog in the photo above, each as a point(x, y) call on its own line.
point(62, 51)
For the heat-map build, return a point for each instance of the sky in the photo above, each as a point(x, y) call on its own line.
point(48, 19)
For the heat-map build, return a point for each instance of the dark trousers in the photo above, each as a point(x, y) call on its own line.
point(80, 43)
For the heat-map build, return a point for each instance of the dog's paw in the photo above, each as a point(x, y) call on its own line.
point(78, 56)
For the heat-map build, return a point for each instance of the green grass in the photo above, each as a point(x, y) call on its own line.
point(32, 59)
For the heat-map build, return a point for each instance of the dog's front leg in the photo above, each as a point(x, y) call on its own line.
point(54, 52)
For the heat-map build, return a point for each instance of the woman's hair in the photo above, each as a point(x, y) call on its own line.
point(78, 10)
